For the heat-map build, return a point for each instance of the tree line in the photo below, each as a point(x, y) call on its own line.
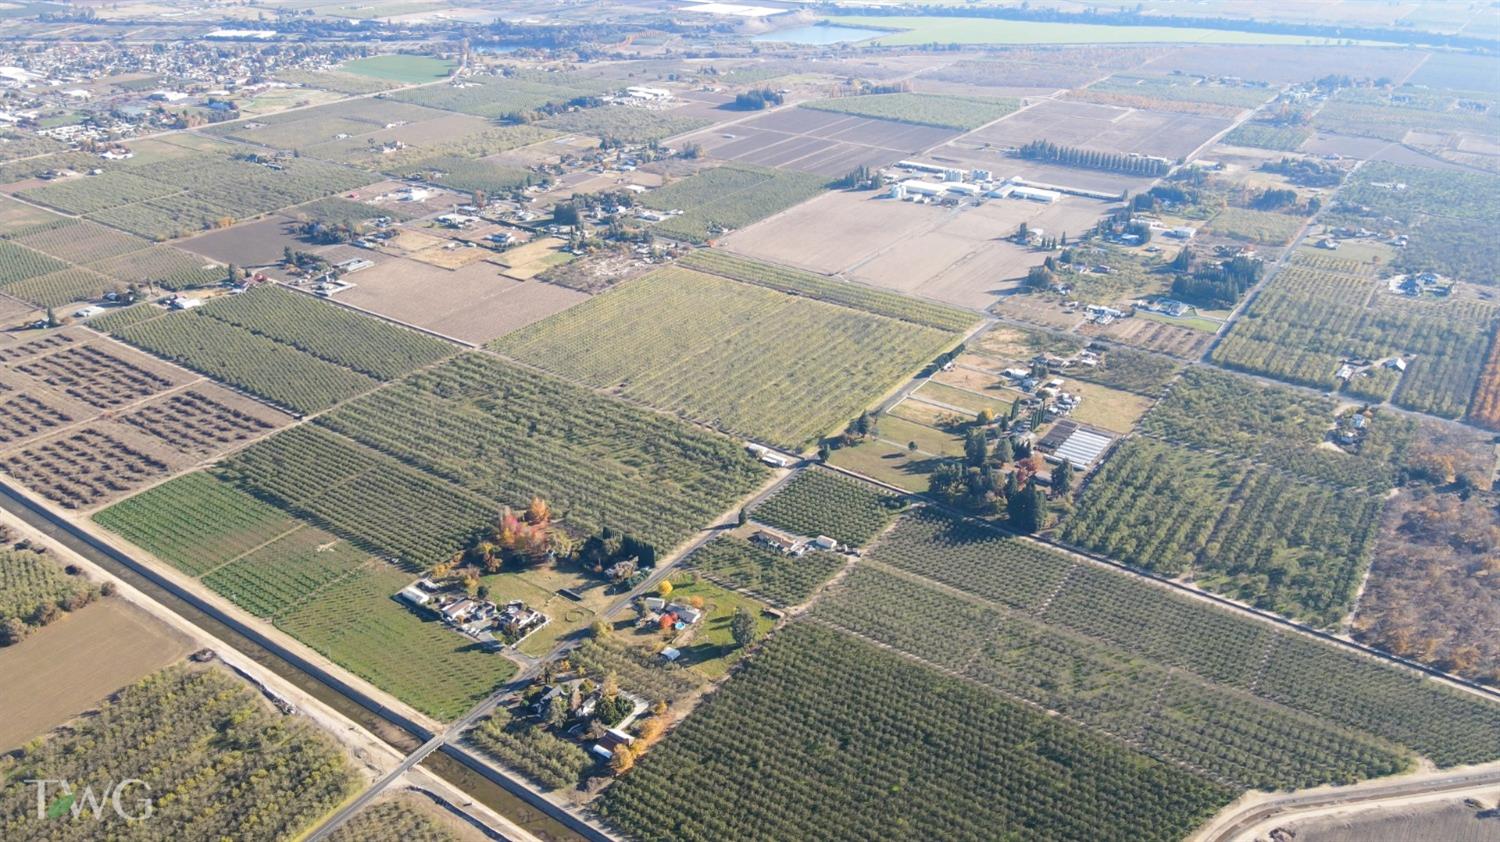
point(1093, 159)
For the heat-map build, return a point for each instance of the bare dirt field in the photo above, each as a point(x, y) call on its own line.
point(14, 312)
point(252, 244)
point(434, 250)
point(74, 663)
point(1039, 310)
point(1373, 149)
point(1103, 127)
point(1449, 821)
point(1278, 65)
point(1183, 342)
point(957, 255)
point(474, 303)
point(817, 141)
point(834, 231)
point(546, 152)
point(386, 194)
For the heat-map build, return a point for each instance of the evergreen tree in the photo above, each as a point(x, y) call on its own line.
point(1062, 477)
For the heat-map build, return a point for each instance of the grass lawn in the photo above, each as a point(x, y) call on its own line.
point(284, 98)
point(913, 409)
point(538, 588)
point(957, 30)
point(400, 68)
point(359, 625)
point(962, 398)
point(712, 651)
point(1363, 251)
point(1206, 325)
point(936, 442)
point(887, 463)
point(1265, 227)
point(1108, 408)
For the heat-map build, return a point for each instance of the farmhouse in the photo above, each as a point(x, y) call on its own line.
point(478, 618)
point(516, 620)
point(781, 543)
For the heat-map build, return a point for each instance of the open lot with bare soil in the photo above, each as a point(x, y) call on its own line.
point(1178, 341)
point(258, 243)
point(961, 255)
point(70, 665)
point(475, 303)
point(1450, 821)
point(817, 141)
point(1372, 149)
point(1103, 127)
point(1278, 64)
point(1042, 310)
point(833, 232)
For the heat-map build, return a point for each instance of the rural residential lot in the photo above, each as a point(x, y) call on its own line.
point(704, 421)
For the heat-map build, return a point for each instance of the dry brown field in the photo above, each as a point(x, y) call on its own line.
point(71, 665)
point(1177, 341)
point(474, 304)
point(817, 141)
point(251, 244)
point(1103, 127)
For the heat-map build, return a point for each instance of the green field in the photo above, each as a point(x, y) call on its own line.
point(195, 190)
point(731, 196)
point(943, 111)
point(1175, 718)
point(1264, 136)
point(1305, 321)
point(372, 347)
point(364, 496)
point(288, 348)
point(326, 592)
point(400, 68)
point(916, 31)
point(1271, 229)
point(517, 93)
point(1276, 426)
point(746, 359)
point(195, 522)
point(357, 623)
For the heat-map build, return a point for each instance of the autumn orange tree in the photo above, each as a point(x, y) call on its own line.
point(527, 538)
